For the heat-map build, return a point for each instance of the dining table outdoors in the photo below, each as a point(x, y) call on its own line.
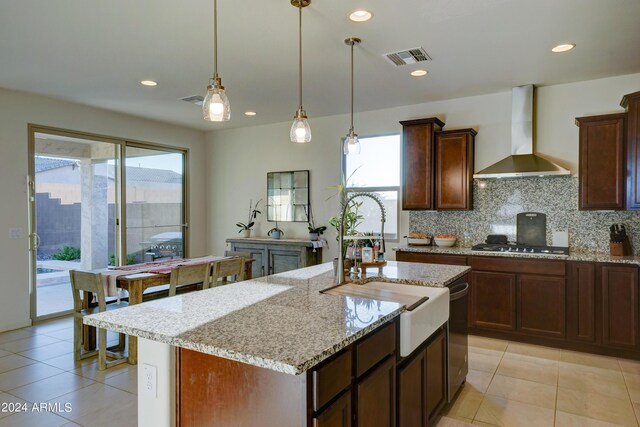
point(137, 278)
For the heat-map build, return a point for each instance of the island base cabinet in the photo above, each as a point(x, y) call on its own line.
point(337, 415)
point(422, 384)
point(376, 397)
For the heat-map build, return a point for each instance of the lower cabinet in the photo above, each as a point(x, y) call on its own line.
point(492, 300)
point(337, 415)
point(422, 384)
point(620, 306)
point(541, 305)
point(581, 303)
point(376, 397)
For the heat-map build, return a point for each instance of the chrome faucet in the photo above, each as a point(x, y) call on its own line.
point(340, 279)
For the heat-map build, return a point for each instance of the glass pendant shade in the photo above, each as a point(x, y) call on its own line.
point(351, 144)
point(215, 107)
point(300, 130)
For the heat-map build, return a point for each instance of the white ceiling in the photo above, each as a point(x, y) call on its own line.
point(95, 52)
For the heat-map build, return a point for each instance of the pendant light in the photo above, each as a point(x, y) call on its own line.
point(300, 130)
point(215, 107)
point(351, 142)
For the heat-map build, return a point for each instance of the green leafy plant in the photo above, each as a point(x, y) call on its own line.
point(131, 259)
point(312, 226)
point(353, 217)
point(275, 230)
point(67, 253)
point(253, 214)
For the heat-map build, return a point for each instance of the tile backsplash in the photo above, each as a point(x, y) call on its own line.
point(498, 201)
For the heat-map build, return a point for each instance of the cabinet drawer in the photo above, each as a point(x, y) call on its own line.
point(336, 415)
point(331, 378)
point(518, 265)
point(431, 258)
point(375, 348)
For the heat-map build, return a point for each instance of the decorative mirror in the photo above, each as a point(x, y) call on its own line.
point(288, 196)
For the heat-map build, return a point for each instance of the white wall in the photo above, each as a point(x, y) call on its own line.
point(17, 109)
point(240, 158)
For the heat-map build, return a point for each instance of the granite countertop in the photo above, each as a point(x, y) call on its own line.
point(279, 322)
point(573, 256)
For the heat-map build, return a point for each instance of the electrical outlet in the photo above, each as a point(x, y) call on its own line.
point(149, 380)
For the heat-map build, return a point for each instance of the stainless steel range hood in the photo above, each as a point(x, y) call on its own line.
point(523, 161)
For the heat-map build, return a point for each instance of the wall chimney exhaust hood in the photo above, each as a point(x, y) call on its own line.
point(523, 162)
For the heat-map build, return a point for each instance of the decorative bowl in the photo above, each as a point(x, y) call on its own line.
point(445, 242)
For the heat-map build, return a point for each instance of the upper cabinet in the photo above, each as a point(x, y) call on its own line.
point(418, 171)
point(454, 169)
point(601, 162)
point(632, 103)
point(437, 166)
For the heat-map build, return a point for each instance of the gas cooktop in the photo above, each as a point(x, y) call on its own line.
point(521, 249)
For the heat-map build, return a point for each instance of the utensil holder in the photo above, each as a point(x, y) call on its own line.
point(616, 248)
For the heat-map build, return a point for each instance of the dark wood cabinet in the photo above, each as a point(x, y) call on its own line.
point(454, 169)
point(337, 415)
point(418, 167)
point(581, 302)
point(632, 103)
point(492, 300)
point(620, 306)
point(541, 305)
point(422, 384)
point(376, 397)
point(431, 258)
point(601, 162)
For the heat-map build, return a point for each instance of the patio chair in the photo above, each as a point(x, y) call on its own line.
point(91, 284)
point(189, 275)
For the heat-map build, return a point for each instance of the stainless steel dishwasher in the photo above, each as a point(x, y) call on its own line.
point(457, 334)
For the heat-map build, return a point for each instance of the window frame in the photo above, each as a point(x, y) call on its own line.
point(397, 189)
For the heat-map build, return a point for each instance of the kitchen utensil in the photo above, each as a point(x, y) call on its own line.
point(532, 229)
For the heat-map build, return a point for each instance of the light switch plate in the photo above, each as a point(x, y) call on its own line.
point(16, 233)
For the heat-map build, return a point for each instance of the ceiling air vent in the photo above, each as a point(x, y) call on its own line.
point(409, 56)
point(195, 99)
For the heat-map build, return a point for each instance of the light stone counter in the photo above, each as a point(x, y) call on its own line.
point(573, 256)
point(279, 322)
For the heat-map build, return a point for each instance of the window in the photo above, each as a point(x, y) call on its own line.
point(376, 170)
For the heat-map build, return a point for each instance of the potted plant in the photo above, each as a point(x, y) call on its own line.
point(245, 228)
point(314, 232)
point(275, 232)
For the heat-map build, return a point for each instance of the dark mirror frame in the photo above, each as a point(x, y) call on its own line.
point(288, 196)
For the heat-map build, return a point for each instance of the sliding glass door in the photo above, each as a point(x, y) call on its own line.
point(155, 211)
point(74, 205)
point(97, 202)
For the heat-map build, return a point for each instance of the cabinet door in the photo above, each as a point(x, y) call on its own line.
point(541, 305)
point(336, 415)
point(376, 398)
point(418, 150)
point(259, 266)
point(284, 260)
point(581, 302)
point(620, 306)
point(492, 300)
point(412, 399)
point(454, 169)
point(436, 376)
point(632, 103)
point(601, 162)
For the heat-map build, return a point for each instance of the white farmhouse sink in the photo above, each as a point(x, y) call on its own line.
point(420, 323)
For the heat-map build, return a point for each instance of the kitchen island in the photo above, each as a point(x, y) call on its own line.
point(273, 332)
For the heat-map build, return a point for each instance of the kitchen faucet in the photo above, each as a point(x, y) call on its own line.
point(340, 279)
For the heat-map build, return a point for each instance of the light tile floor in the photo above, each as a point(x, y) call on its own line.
point(37, 367)
point(514, 384)
point(509, 384)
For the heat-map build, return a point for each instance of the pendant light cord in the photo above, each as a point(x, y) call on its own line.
point(215, 39)
point(300, 47)
point(352, 91)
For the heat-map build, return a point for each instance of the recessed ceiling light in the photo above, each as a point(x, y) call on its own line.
point(149, 83)
point(360, 15)
point(250, 113)
point(563, 47)
point(419, 73)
